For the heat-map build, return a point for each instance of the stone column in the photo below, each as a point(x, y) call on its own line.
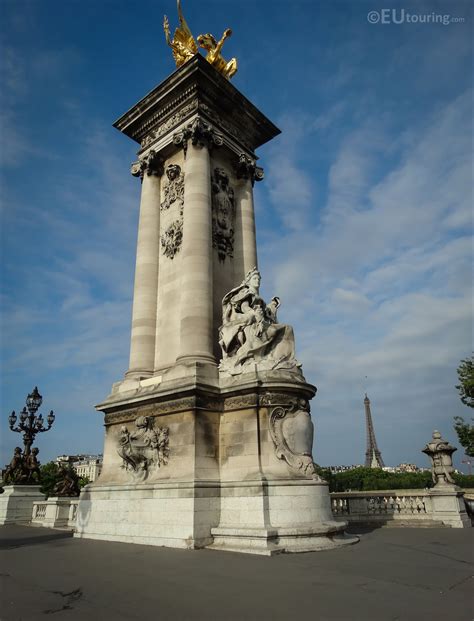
point(142, 345)
point(196, 325)
point(245, 254)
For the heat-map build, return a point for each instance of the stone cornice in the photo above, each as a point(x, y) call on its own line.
point(196, 86)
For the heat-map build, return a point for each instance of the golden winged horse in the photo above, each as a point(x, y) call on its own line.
point(184, 47)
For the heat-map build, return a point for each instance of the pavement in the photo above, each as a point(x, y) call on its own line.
point(393, 574)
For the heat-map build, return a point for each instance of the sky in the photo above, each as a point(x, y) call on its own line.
point(363, 219)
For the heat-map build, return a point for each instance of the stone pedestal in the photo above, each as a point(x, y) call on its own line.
point(224, 485)
point(448, 506)
point(16, 503)
point(199, 453)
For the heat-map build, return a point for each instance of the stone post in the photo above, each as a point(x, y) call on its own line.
point(142, 345)
point(196, 326)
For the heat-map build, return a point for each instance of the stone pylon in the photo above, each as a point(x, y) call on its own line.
point(209, 434)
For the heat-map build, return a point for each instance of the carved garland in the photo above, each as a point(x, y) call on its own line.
point(172, 238)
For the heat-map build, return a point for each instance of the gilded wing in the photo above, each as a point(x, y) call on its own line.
point(183, 34)
point(183, 44)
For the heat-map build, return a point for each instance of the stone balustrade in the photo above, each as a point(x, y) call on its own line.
point(434, 507)
point(39, 511)
point(56, 512)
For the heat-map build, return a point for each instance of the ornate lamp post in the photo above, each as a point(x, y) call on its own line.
point(24, 465)
point(30, 423)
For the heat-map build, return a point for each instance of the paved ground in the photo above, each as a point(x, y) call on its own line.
point(392, 574)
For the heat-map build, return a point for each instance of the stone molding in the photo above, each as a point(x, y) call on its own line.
point(156, 129)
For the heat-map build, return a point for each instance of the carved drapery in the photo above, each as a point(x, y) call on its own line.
point(291, 430)
point(143, 449)
point(223, 214)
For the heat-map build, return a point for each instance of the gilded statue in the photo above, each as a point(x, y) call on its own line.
point(213, 56)
point(184, 46)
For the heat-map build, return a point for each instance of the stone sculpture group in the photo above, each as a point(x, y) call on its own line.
point(250, 333)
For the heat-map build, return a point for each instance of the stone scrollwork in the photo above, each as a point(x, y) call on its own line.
point(291, 430)
point(172, 238)
point(250, 335)
point(151, 164)
point(247, 169)
point(145, 448)
point(223, 214)
point(200, 133)
point(173, 188)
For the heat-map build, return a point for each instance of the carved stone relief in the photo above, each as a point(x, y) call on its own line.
point(145, 448)
point(291, 430)
point(174, 188)
point(173, 121)
point(172, 238)
point(173, 191)
point(223, 214)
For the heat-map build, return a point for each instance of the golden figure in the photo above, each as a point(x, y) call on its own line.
point(184, 46)
point(183, 43)
point(213, 56)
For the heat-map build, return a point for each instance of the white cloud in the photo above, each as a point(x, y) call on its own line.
point(382, 286)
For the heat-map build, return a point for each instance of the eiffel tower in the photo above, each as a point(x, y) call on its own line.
point(373, 457)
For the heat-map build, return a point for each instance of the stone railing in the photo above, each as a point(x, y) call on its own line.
point(56, 512)
point(39, 511)
point(443, 507)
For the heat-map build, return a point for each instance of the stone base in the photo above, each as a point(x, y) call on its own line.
point(16, 503)
point(237, 472)
point(448, 506)
point(175, 515)
point(270, 541)
point(269, 517)
point(256, 517)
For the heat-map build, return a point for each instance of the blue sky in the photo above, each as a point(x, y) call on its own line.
point(363, 220)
